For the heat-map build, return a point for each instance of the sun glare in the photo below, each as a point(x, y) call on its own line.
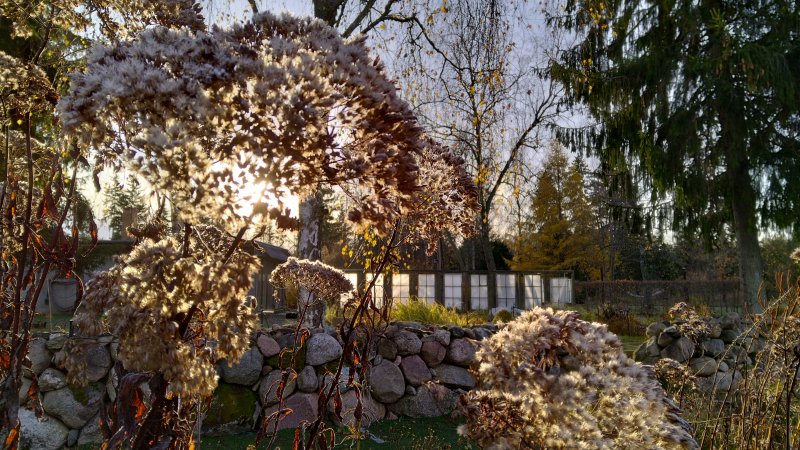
point(250, 193)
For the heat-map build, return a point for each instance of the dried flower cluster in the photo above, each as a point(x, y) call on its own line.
point(279, 103)
point(321, 280)
point(24, 87)
point(151, 291)
point(550, 380)
point(447, 198)
point(117, 18)
point(284, 100)
point(676, 378)
point(691, 324)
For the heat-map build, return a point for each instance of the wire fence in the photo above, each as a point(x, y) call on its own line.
point(654, 298)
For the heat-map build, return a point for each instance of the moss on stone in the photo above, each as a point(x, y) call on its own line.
point(283, 359)
point(80, 393)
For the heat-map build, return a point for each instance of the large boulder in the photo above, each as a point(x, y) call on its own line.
point(482, 333)
point(23, 390)
point(719, 382)
point(753, 344)
point(371, 411)
point(322, 348)
point(442, 336)
point(269, 347)
point(729, 320)
point(56, 341)
point(387, 349)
point(304, 407)
point(408, 343)
point(39, 355)
point(98, 362)
point(654, 329)
point(74, 406)
point(231, 409)
point(51, 379)
point(307, 380)
point(47, 434)
point(461, 352)
point(648, 352)
point(430, 400)
point(729, 335)
point(680, 350)
point(736, 356)
point(415, 370)
point(703, 366)
point(246, 371)
point(90, 434)
point(713, 347)
point(343, 382)
point(433, 352)
point(268, 389)
point(455, 376)
point(387, 383)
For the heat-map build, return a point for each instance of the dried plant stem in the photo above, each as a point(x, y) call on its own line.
point(348, 341)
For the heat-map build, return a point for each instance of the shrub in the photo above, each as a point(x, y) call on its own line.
point(551, 380)
point(621, 320)
point(503, 315)
point(436, 314)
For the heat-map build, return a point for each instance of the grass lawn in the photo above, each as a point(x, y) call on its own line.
point(629, 343)
point(59, 322)
point(405, 433)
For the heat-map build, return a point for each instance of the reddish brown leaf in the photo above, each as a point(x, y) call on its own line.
point(357, 413)
point(337, 404)
point(296, 443)
point(49, 208)
point(5, 360)
point(93, 234)
point(74, 246)
point(12, 440)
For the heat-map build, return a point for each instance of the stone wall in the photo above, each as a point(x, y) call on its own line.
point(716, 356)
point(415, 371)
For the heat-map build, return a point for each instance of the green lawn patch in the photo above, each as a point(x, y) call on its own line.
point(404, 433)
point(630, 343)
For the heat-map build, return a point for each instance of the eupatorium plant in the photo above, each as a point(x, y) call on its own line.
point(549, 380)
point(204, 115)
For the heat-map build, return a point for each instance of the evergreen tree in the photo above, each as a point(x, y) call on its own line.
point(703, 96)
point(120, 198)
point(561, 234)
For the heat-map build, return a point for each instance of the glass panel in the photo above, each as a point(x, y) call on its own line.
point(400, 287)
point(452, 290)
point(533, 290)
point(505, 291)
point(479, 291)
point(561, 290)
point(377, 290)
point(426, 287)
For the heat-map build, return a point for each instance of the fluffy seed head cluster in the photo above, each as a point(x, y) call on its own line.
point(147, 296)
point(321, 280)
point(24, 87)
point(551, 380)
point(279, 102)
point(691, 324)
point(675, 377)
point(116, 18)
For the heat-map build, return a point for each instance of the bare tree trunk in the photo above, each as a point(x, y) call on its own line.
point(309, 246)
point(486, 246)
point(749, 251)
